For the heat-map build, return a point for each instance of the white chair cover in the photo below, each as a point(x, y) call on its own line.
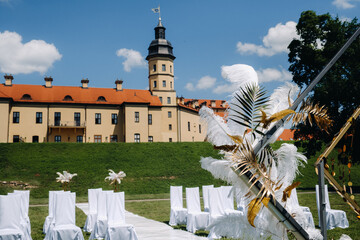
point(64, 218)
point(177, 212)
point(117, 228)
point(218, 215)
point(91, 217)
point(240, 200)
point(293, 203)
point(24, 211)
point(10, 217)
point(49, 218)
point(228, 198)
point(334, 218)
point(205, 190)
point(100, 226)
point(195, 218)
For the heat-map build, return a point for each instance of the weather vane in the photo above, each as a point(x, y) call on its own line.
point(157, 10)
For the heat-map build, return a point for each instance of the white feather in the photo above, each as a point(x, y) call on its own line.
point(217, 129)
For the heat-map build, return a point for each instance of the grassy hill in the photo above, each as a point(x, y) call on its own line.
point(150, 167)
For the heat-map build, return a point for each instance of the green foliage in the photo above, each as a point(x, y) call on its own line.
point(150, 167)
point(321, 37)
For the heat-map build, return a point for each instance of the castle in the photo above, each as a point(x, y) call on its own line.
point(47, 113)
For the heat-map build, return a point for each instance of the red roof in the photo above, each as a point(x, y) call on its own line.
point(56, 94)
point(287, 135)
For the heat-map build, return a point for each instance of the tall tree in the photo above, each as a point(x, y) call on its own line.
point(321, 37)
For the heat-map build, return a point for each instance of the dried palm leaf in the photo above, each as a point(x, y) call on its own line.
point(254, 207)
point(287, 191)
point(275, 117)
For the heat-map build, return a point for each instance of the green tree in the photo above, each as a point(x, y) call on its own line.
point(321, 37)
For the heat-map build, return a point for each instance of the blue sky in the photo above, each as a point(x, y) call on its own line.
point(106, 40)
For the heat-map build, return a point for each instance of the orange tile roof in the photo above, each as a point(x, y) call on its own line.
point(206, 102)
point(56, 94)
point(287, 135)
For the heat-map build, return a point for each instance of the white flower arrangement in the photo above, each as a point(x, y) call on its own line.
point(65, 179)
point(115, 178)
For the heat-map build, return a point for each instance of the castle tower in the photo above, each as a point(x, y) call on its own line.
point(161, 67)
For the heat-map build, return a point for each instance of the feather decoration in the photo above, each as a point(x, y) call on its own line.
point(217, 130)
point(65, 177)
point(115, 177)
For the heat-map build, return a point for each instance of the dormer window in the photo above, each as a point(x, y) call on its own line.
point(101, 99)
point(26, 97)
point(68, 98)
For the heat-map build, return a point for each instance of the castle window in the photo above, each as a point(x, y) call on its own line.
point(189, 126)
point(150, 139)
point(199, 128)
point(57, 138)
point(171, 85)
point(97, 118)
point(79, 138)
point(170, 127)
point(26, 97)
point(170, 68)
point(16, 117)
point(154, 84)
point(150, 119)
point(137, 117)
point(97, 138)
point(136, 137)
point(160, 99)
point(164, 83)
point(163, 67)
point(16, 138)
point(68, 98)
point(169, 114)
point(77, 118)
point(57, 118)
point(170, 139)
point(35, 139)
point(113, 138)
point(168, 100)
point(38, 118)
point(154, 68)
point(114, 118)
point(101, 99)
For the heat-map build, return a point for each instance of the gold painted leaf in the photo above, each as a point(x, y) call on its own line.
point(287, 191)
point(253, 209)
point(276, 117)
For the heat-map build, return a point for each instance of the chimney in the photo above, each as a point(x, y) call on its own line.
point(48, 82)
point(119, 85)
point(85, 83)
point(8, 80)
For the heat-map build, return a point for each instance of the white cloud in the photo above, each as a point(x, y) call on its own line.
point(132, 58)
point(272, 74)
point(205, 82)
point(17, 57)
point(276, 41)
point(190, 87)
point(345, 19)
point(343, 4)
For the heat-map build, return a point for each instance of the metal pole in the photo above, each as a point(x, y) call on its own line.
point(322, 200)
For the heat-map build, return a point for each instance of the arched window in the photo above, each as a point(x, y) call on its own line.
point(101, 99)
point(68, 98)
point(26, 97)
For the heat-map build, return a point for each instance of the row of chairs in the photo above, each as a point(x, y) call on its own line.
point(14, 215)
point(217, 202)
point(106, 218)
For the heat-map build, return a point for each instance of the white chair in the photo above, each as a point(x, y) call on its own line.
point(117, 228)
point(10, 217)
point(196, 219)
point(240, 200)
point(220, 218)
point(24, 212)
point(228, 199)
point(64, 219)
point(294, 204)
point(100, 226)
point(49, 218)
point(177, 212)
point(334, 218)
point(91, 217)
point(205, 190)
